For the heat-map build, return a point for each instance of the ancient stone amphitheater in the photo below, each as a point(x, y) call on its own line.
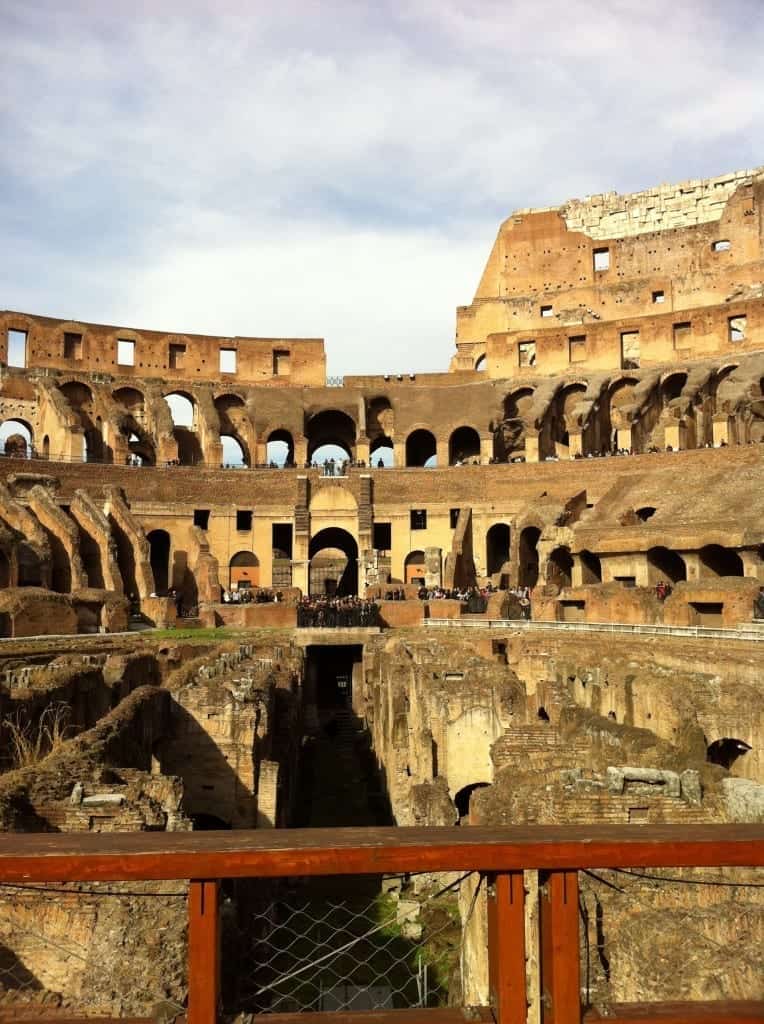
point(524, 597)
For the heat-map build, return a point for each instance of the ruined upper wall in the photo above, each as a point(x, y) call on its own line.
point(659, 255)
point(613, 215)
point(76, 346)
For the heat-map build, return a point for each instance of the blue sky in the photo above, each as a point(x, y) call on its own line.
point(338, 169)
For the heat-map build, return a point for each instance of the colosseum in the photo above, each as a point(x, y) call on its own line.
point(409, 697)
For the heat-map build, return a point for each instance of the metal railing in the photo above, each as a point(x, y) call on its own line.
point(745, 631)
point(80, 863)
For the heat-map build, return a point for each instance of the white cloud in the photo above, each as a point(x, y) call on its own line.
point(339, 169)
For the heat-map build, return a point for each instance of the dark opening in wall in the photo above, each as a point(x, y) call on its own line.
point(418, 519)
point(383, 536)
point(542, 714)
point(243, 519)
point(726, 751)
point(281, 538)
point(645, 513)
point(72, 346)
point(202, 518)
point(463, 797)
point(176, 356)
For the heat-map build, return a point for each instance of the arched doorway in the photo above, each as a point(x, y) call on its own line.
point(279, 449)
point(16, 439)
point(463, 445)
point(481, 364)
point(421, 449)
point(333, 554)
point(330, 435)
point(414, 567)
point(463, 797)
point(234, 453)
point(528, 572)
point(381, 451)
point(716, 560)
point(497, 548)
point(183, 414)
point(663, 565)
point(559, 569)
point(244, 571)
point(159, 542)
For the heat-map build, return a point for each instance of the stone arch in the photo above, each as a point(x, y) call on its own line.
point(160, 546)
point(235, 454)
point(380, 418)
point(528, 569)
point(279, 447)
point(244, 570)
point(726, 751)
point(183, 409)
point(716, 560)
point(464, 795)
point(330, 429)
point(497, 549)
point(672, 385)
point(328, 574)
point(46, 447)
point(414, 567)
point(82, 403)
point(559, 567)
point(16, 438)
point(664, 564)
point(591, 567)
point(509, 437)
point(463, 444)
point(421, 448)
point(382, 449)
point(481, 363)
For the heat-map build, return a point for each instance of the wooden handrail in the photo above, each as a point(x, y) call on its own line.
point(53, 857)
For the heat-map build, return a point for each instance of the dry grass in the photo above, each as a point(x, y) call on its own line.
point(30, 742)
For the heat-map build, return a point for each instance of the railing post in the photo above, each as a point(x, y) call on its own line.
point(506, 947)
point(203, 952)
point(560, 956)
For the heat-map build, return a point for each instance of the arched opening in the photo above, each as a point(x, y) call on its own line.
point(46, 447)
point(279, 449)
point(421, 449)
point(528, 573)
point(463, 446)
point(559, 568)
point(414, 567)
point(29, 568)
point(182, 410)
point(509, 438)
point(244, 571)
point(333, 557)
point(463, 797)
point(16, 439)
point(183, 413)
point(330, 434)
point(481, 364)
point(234, 455)
point(61, 568)
point(716, 560)
point(497, 550)
point(126, 563)
point(133, 426)
point(542, 714)
point(664, 565)
point(159, 542)
point(591, 567)
point(381, 452)
point(80, 399)
point(564, 416)
point(671, 387)
point(90, 553)
point(132, 401)
point(726, 751)
point(645, 513)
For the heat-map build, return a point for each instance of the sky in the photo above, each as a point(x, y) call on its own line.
point(333, 169)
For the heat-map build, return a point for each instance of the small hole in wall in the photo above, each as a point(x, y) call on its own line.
point(543, 715)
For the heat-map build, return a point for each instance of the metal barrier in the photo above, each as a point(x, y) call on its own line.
point(746, 631)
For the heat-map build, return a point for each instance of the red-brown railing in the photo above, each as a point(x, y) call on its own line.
point(558, 852)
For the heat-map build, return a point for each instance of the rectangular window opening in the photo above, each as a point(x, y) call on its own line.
point(627, 581)
point(527, 353)
point(383, 536)
point(202, 518)
point(577, 348)
point(243, 520)
point(281, 540)
point(659, 296)
point(418, 519)
point(601, 259)
point(125, 352)
point(630, 350)
point(721, 245)
point(682, 334)
point(72, 345)
point(547, 311)
point(176, 356)
point(281, 362)
point(737, 327)
point(228, 360)
point(453, 517)
point(17, 348)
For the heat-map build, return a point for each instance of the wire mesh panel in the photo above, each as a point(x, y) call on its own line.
point(95, 949)
point(359, 950)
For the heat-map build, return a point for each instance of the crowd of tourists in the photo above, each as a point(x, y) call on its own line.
point(250, 595)
point(323, 612)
